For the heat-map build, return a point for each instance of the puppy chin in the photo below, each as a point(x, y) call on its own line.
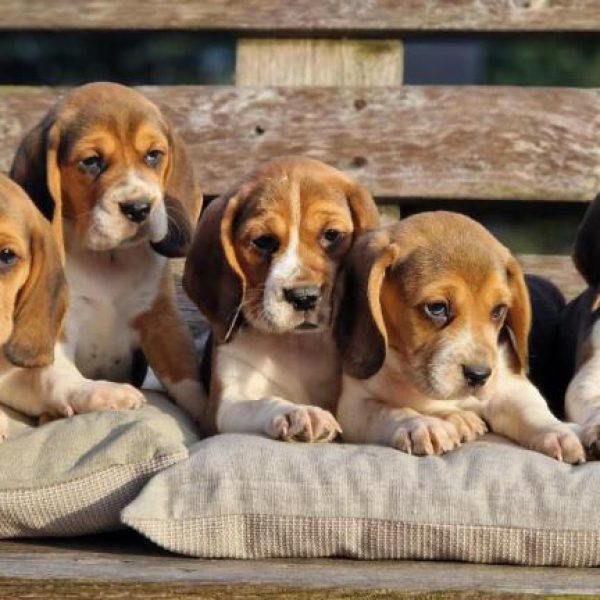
point(281, 319)
point(100, 240)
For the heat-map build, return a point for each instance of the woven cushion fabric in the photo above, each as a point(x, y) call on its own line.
point(242, 496)
point(73, 476)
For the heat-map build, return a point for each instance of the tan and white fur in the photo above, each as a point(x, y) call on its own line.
point(106, 168)
point(433, 330)
point(33, 300)
point(263, 268)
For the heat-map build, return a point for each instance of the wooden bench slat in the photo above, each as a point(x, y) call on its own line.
point(125, 557)
point(497, 143)
point(332, 17)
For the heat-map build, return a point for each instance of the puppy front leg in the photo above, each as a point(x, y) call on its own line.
point(367, 420)
point(170, 351)
point(278, 418)
point(582, 403)
point(60, 390)
point(519, 412)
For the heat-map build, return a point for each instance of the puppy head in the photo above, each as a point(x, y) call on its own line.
point(442, 292)
point(268, 252)
point(32, 285)
point(107, 161)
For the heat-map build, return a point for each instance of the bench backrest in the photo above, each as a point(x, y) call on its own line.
point(324, 78)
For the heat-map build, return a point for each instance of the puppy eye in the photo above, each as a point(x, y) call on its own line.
point(331, 237)
point(8, 258)
point(153, 158)
point(498, 312)
point(266, 244)
point(92, 165)
point(438, 312)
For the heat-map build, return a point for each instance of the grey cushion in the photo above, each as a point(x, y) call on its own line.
point(244, 496)
point(73, 476)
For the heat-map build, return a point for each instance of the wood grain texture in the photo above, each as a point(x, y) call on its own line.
point(558, 269)
point(127, 558)
point(24, 589)
point(326, 17)
point(401, 142)
point(343, 63)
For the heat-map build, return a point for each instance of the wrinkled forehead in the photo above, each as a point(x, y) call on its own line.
point(444, 268)
point(296, 200)
point(111, 127)
point(15, 214)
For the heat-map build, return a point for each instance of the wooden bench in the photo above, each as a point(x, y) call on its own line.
point(325, 79)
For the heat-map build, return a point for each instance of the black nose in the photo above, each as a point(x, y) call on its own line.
point(302, 297)
point(476, 375)
point(135, 210)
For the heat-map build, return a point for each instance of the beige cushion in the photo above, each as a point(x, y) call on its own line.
point(73, 476)
point(244, 496)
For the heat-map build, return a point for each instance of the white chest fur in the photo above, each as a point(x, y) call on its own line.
point(107, 291)
point(302, 368)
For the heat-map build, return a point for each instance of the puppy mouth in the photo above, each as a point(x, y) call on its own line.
point(307, 326)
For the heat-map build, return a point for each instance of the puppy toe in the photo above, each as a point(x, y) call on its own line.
point(4, 426)
point(280, 427)
point(467, 423)
point(308, 424)
point(325, 427)
point(591, 441)
point(572, 449)
point(560, 444)
point(301, 429)
point(105, 395)
point(402, 441)
point(422, 444)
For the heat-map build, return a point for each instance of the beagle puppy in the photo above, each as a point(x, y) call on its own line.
point(432, 330)
point(262, 268)
point(32, 297)
point(107, 169)
point(580, 336)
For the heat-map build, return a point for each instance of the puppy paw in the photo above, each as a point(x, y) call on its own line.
point(425, 436)
point(468, 424)
point(590, 436)
point(305, 424)
point(4, 426)
point(559, 443)
point(106, 395)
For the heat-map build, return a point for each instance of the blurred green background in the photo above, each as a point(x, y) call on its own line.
point(192, 58)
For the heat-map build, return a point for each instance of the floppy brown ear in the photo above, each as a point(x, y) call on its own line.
point(41, 304)
point(359, 328)
point(212, 276)
point(363, 208)
point(35, 168)
point(518, 319)
point(586, 253)
point(183, 201)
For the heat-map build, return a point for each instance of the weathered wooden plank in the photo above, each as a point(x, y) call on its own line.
point(343, 63)
point(558, 269)
point(328, 17)
point(131, 559)
point(497, 143)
